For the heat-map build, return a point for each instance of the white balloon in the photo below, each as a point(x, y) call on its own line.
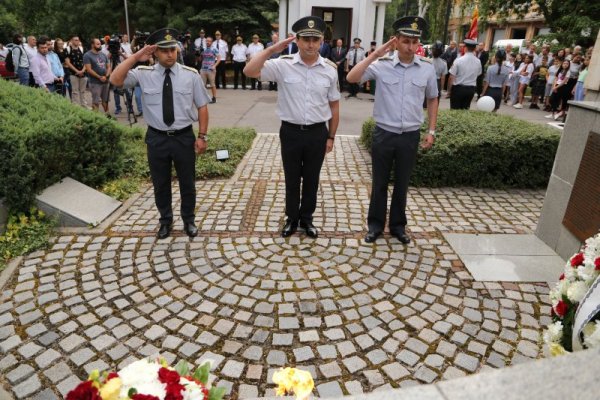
point(486, 103)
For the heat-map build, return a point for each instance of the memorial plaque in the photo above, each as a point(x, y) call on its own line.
point(582, 217)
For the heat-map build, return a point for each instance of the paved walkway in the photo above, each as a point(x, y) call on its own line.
point(359, 317)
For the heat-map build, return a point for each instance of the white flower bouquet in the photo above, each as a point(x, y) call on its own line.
point(575, 303)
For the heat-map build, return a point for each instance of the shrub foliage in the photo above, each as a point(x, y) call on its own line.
point(479, 149)
point(44, 138)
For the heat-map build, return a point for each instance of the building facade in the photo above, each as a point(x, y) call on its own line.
point(345, 19)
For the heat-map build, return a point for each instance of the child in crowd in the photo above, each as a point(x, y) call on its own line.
point(550, 81)
point(538, 83)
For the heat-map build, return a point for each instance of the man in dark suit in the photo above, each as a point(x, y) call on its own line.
point(325, 49)
point(483, 56)
point(338, 56)
point(291, 48)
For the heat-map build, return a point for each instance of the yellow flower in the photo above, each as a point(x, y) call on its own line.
point(293, 380)
point(111, 389)
point(556, 350)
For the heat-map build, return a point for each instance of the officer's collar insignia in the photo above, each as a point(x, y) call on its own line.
point(311, 24)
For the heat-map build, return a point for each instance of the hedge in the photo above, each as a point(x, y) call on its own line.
point(484, 150)
point(44, 138)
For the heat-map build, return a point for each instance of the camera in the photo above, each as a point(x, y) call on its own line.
point(140, 38)
point(114, 45)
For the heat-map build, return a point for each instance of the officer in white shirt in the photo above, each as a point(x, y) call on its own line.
point(238, 56)
point(462, 82)
point(308, 99)
point(254, 48)
point(200, 42)
point(223, 49)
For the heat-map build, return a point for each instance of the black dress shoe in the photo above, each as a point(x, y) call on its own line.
point(164, 231)
point(310, 229)
point(372, 237)
point(190, 229)
point(289, 228)
point(401, 236)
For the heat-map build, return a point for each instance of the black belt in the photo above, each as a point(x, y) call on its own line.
point(304, 127)
point(171, 132)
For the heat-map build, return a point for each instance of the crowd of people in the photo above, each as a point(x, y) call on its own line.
point(554, 78)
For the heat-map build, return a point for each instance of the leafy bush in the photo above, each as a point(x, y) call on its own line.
point(25, 232)
point(45, 138)
point(136, 171)
point(481, 149)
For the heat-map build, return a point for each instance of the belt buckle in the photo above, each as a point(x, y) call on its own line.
point(171, 133)
point(303, 127)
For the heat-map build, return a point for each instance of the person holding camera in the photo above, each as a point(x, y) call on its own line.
point(98, 69)
point(174, 98)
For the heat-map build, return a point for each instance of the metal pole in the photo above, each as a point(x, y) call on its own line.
point(448, 9)
point(127, 19)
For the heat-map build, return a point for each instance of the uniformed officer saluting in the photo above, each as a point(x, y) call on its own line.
point(173, 98)
point(402, 83)
point(308, 97)
point(462, 82)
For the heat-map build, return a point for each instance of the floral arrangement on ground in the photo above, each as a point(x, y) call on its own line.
point(149, 380)
point(574, 286)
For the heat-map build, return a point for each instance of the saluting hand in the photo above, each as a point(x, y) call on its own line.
point(145, 53)
point(385, 48)
point(281, 45)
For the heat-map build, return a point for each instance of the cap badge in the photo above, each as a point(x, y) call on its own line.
point(414, 26)
point(311, 24)
point(168, 37)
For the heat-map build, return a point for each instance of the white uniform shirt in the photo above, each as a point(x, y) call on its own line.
point(238, 52)
point(189, 94)
point(305, 91)
point(360, 55)
point(254, 48)
point(200, 43)
point(223, 48)
point(466, 69)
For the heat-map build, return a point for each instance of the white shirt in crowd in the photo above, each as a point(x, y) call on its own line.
point(200, 43)
point(223, 48)
point(126, 48)
point(254, 48)
point(3, 52)
point(31, 51)
point(238, 52)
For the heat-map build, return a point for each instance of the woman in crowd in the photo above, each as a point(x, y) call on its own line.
point(514, 84)
point(560, 92)
point(550, 82)
point(524, 73)
point(496, 78)
point(510, 64)
point(579, 91)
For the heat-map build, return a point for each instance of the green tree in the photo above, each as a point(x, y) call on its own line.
point(570, 21)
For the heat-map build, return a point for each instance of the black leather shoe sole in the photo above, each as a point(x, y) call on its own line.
point(289, 229)
point(402, 237)
point(372, 237)
point(164, 231)
point(190, 230)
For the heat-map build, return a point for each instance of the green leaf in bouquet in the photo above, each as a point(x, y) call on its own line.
point(132, 392)
point(202, 373)
point(182, 368)
point(216, 393)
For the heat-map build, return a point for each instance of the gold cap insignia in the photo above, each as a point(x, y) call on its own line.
point(414, 26)
point(168, 37)
point(311, 24)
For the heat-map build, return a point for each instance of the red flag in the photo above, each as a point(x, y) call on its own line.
point(473, 29)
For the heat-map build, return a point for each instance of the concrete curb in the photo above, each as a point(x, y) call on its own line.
point(7, 273)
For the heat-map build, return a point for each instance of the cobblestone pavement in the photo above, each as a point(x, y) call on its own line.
point(359, 317)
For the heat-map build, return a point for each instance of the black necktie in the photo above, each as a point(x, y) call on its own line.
point(355, 54)
point(218, 44)
point(168, 108)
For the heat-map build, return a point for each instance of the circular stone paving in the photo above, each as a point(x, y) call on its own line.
point(357, 317)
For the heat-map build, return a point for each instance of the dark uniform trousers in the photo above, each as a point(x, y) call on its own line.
point(302, 153)
point(353, 87)
point(389, 150)
point(461, 97)
point(238, 68)
point(220, 76)
point(163, 152)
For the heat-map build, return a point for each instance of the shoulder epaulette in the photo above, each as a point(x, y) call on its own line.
point(189, 68)
point(331, 63)
point(146, 67)
point(427, 60)
point(385, 58)
point(287, 56)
